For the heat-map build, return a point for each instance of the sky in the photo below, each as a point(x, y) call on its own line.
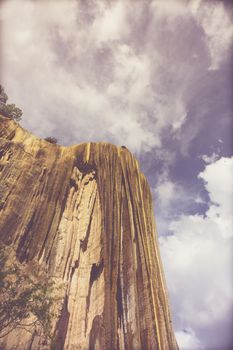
point(155, 76)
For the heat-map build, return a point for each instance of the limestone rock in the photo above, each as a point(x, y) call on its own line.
point(84, 214)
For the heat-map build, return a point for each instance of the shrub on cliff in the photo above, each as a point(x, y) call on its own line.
point(11, 111)
point(51, 139)
point(25, 302)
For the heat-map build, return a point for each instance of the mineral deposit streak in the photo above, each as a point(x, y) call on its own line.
point(84, 214)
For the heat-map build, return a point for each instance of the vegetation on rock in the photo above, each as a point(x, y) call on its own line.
point(51, 139)
point(25, 302)
point(9, 110)
point(13, 112)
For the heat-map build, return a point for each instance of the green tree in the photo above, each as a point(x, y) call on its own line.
point(25, 302)
point(11, 111)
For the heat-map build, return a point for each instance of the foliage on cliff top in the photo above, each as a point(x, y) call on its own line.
point(9, 110)
point(51, 139)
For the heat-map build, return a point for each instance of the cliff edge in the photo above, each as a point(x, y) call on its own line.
point(84, 215)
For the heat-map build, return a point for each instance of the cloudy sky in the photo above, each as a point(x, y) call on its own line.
point(154, 76)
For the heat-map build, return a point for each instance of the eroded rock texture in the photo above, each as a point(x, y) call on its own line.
point(84, 213)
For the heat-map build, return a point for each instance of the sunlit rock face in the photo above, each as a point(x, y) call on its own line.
point(84, 214)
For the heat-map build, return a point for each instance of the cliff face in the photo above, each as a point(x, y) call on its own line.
point(84, 214)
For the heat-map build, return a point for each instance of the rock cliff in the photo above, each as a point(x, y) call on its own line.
point(84, 214)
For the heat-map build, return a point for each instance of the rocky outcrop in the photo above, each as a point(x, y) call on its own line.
point(84, 214)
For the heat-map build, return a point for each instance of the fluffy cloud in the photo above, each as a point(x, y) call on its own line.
point(166, 191)
point(96, 71)
point(219, 184)
point(187, 340)
point(93, 71)
point(76, 100)
point(171, 198)
point(198, 263)
point(218, 28)
point(210, 159)
point(211, 16)
point(112, 24)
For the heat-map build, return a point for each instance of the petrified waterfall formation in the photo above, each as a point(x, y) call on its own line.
point(84, 214)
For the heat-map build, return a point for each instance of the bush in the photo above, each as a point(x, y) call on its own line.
point(13, 112)
point(8, 110)
point(24, 302)
point(51, 139)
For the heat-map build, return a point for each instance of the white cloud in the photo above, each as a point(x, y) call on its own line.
point(199, 200)
point(218, 29)
point(187, 340)
point(70, 96)
point(82, 67)
point(166, 191)
point(211, 16)
point(211, 158)
point(198, 261)
point(171, 198)
point(219, 183)
point(170, 8)
point(111, 24)
point(81, 71)
point(195, 5)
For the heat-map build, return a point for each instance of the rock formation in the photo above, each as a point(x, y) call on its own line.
point(84, 214)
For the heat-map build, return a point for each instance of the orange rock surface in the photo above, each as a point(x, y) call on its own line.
point(84, 214)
